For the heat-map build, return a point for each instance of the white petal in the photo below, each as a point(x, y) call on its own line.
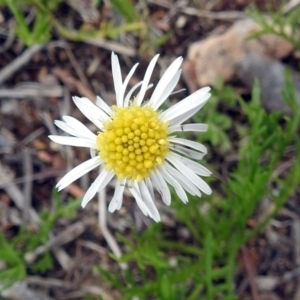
point(79, 171)
point(183, 117)
point(103, 105)
point(199, 169)
point(187, 152)
point(124, 86)
point(183, 180)
point(91, 111)
point(168, 90)
point(149, 201)
point(146, 80)
point(196, 167)
point(116, 201)
point(92, 152)
point(172, 181)
point(128, 96)
point(167, 77)
point(100, 182)
point(199, 182)
point(117, 76)
point(73, 141)
point(189, 127)
point(190, 102)
point(148, 88)
point(82, 130)
point(121, 200)
point(161, 186)
point(150, 187)
point(65, 127)
point(188, 143)
point(186, 115)
point(134, 189)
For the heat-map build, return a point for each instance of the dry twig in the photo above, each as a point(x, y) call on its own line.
point(102, 210)
point(73, 83)
point(250, 273)
point(76, 66)
point(290, 5)
point(20, 291)
point(27, 167)
point(112, 46)
point(13, 191)
point(51, 282)
point(66, 236)
point(19, 62)
point(191, 11)
point(30, 90)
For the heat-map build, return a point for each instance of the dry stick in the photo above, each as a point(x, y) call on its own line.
point(191, 11)
point(76, 66)
point(46, 118)
point(19, 62)
point(32, 136)
point(290, 5)
point(88, 12)
point(27, 167)
point(296, 238)
point(224, 15)
point(68, 235)
point(37, 176)
point(29, 90)
point(24, 58)
point(112, 46)
point(297, 293)
point(21, 291)
point(250, 273)
point(283, 167)
point(63, 258)
point(102, 209)
point(57, 283)
point(93, 246)
point(13, 191)
point(10, 37)
point(72, 83)
point(49, 282)
point(65, 106)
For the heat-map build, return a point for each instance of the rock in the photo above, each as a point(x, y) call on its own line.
point(267, 283)
point(218, 55)
point(232, 54)
point(271, 76)
point(20, 291)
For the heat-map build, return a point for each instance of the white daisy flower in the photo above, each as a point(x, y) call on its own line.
point(136, 141)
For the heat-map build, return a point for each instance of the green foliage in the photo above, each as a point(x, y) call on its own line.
point(204, 268)
point(15, 269)
point(89, 297)
point(40, 31)
point(126, 10)
point(285, 25)
point(219, 123)
point(12, 251)
point(43, 263)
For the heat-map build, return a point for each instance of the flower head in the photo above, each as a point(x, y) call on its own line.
point(136, 142)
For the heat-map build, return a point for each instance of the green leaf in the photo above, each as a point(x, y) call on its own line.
point(126, 10)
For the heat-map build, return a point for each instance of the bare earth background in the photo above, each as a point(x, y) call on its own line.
point(39, 91)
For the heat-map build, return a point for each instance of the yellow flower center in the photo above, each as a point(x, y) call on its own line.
point(134, 142)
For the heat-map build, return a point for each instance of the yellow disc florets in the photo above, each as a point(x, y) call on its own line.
point(134, 142)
